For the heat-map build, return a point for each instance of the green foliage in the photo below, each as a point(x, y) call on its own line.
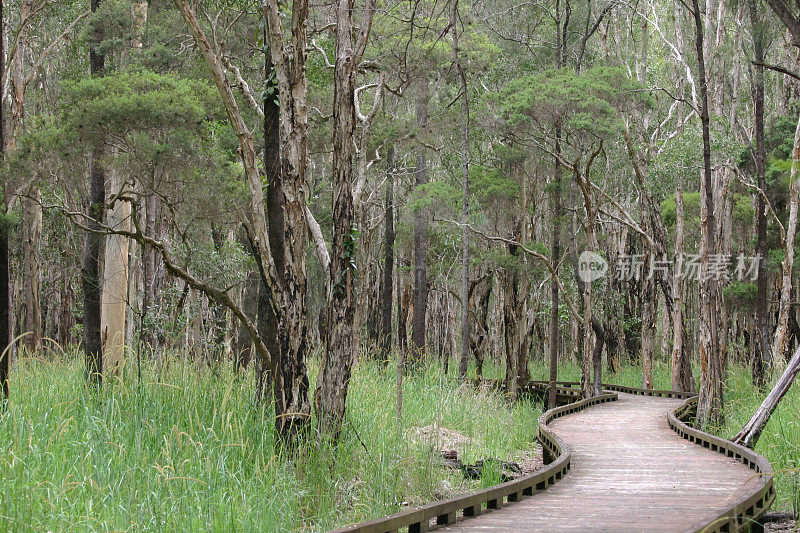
point(590, 102)
point(121, 103)
point(740, 294)
point(110, 28)
point(491, 186)
point(682, 157)
point(691, 208)
point(440, 194)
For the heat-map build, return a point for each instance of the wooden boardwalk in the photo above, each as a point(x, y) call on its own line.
point(630, 472)
point(623, 461)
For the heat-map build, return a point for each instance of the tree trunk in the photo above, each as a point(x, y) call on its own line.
point(5, 300)
point(465, 157)
point(32, 235)
point(681, 369)
point(511, 322)
point(710, 404)
point(556, 258)
point(648, 327)
point(420, 238)
point(749, 434)
point(779, 341)
point(90, 264)
point(337, 360)
point(115, 279)
point(387, 282)
point(243, 350)
point(283, 270)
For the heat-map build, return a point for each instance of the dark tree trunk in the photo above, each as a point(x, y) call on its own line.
point(5, 299)
point(387, 282)
point(90, 269)
point(334, 375)
point(90, 273)
point(710, 403)
point(465, 157)
point(556, 255)
point(267, 318)
point(403, 300)
point(330, 398)
point(597, 357)
point(763, 350)
point(215, 355)
point(243, 350)
point(420, 239)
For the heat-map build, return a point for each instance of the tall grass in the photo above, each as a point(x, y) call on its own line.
point(189, 450)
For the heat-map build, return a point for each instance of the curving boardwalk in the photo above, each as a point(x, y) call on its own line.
point(630, 472)
point(623, 461)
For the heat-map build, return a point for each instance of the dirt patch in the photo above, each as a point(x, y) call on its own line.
point(442, 439)
point(786, 525)
point(451, 446)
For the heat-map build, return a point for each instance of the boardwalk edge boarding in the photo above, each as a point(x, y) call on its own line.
point(739, 516)
point(471, 504)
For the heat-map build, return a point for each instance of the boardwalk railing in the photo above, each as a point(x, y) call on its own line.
point(743, 513)
point(474, 503)
point(738, 516)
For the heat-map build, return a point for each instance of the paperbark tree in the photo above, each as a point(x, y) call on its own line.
point(465, 157)
point(332, 383)
point(420, 300)
point(115, 279)
point(5, 281)
point(31, 237)
point(784, 306)
point(283, 270)
point(710, 404)
point(681, 371)
point(762, 352)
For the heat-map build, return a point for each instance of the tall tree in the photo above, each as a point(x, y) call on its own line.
point(710, 405)
point(5, 281)
point(387, 281)
point(337, 360)
point(762, 350)
point(90, 268)
point(465, 157)
point(420, 300)
point(283, 270)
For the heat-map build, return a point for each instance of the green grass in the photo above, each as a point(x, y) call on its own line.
point(780, 441)
point(190, 451)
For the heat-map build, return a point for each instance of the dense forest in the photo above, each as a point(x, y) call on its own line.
point(249, 249)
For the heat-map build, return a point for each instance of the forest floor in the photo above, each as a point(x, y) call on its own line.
point(188, 449)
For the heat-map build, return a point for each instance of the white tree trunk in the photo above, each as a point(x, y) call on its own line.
point(115, 280)
point(779, 341)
